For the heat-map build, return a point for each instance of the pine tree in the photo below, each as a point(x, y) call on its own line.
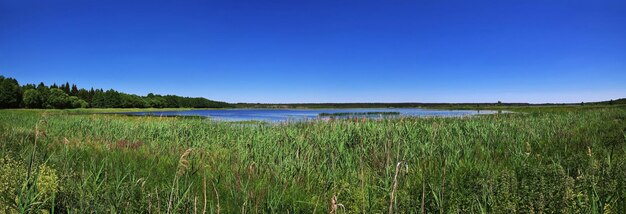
point(10, 93)
point(66, 87)
point(74, 91)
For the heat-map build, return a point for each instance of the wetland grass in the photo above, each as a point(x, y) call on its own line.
point(569, 161)
point(348, 114)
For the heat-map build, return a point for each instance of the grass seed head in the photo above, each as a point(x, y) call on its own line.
point(183, 163)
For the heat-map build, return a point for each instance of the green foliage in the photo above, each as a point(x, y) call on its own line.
point(57, 99)
point(10, 93)
point(75, 102)
point(565, 161)
point(47, 182)
point(33, 99)
point(12, 174)
point(66, 96)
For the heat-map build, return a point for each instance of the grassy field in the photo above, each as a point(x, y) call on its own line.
point(545, 160)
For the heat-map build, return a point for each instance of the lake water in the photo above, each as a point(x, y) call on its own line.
point(280, 115)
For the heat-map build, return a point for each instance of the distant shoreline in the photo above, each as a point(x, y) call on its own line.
point(455, 106)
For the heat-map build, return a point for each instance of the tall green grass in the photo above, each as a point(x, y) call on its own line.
point(568, 161)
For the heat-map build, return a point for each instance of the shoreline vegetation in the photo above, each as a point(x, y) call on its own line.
point(69, 96)
point(549, 159)
point(64, 96)
point(450, 106)
point(348, 114)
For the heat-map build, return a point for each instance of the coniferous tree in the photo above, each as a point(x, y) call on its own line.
point(74, 91)
point(28, 86)
point(91, 93)
point(10, 93)
point(66, 88)
point(84, 95)
point(13, 95)
point(98, 100)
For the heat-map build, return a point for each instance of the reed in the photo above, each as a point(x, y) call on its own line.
point(347, 114)
point(567, 160)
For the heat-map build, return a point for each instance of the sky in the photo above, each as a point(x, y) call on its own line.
point(280, 51)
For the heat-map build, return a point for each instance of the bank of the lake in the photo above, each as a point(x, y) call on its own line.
point(291, 115)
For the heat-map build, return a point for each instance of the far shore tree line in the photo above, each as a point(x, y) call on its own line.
point(14, 95)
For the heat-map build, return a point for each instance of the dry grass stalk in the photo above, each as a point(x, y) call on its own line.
point(149, 203)
point(183, 165)
point(334, 205)
point(443, 185)
point(218, 199)
point(393, 190)
point(158, 201)
point(195, 204)
point(32, 157)
point(204, 191)
point(251, 170)
point(423, 194)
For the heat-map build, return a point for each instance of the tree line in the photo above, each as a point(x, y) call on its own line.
point(14, 95)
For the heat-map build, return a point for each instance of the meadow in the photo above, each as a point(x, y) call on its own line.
point(537, 160)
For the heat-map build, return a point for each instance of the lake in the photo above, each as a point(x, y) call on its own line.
point(281, 115)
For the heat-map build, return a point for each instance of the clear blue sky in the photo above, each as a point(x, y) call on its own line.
point(323, 51)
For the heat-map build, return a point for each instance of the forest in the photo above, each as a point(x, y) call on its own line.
point(64, 96)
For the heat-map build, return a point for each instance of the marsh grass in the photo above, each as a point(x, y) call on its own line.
point(346, 114)
point(568, 161)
